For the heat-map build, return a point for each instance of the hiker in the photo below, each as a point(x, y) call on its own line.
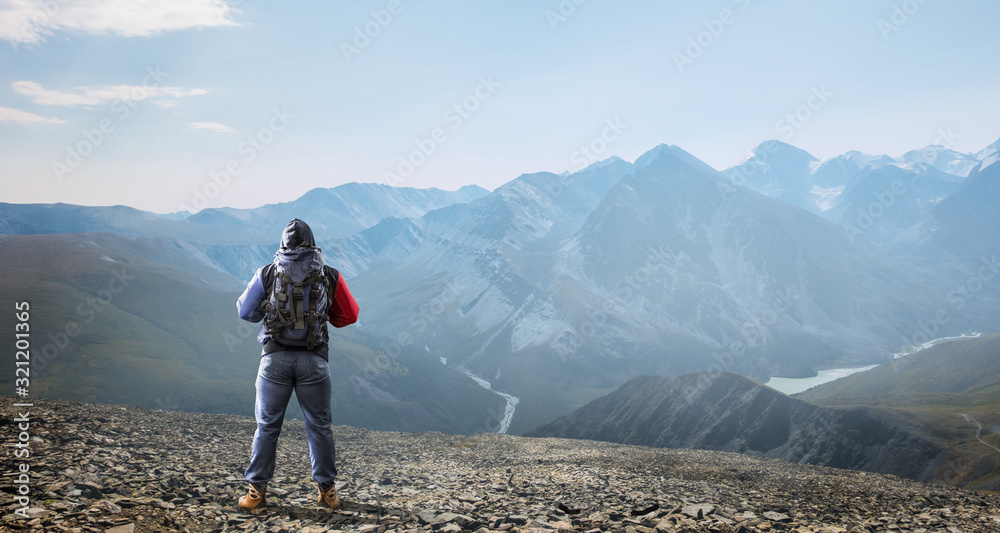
point(295, 296)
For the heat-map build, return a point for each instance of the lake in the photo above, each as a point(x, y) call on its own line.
point(797, 385)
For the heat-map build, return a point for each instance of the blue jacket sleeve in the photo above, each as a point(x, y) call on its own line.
point(248, 306)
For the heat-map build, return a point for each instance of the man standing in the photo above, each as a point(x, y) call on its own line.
point(295, 295)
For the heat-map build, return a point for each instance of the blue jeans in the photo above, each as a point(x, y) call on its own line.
point(308, 375)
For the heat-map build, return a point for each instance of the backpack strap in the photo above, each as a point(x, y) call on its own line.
point(272, 317)
point(267, 279)
point(314, 314)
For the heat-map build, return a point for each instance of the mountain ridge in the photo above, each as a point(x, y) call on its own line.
point(718, 410)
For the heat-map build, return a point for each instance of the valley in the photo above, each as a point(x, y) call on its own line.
point(554, 289)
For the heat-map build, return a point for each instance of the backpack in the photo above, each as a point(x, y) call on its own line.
point(295, 312)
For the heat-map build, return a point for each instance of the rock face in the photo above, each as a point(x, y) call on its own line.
point(717, 410)
point(101, 468)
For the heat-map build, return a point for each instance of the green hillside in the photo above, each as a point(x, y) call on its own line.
point(966, 368)
point(949, 393)
point(117, 319)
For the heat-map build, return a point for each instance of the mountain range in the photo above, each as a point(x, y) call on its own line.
point(334, 213)
point(554, 289)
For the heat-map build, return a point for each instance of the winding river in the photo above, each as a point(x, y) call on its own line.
point(512, 401)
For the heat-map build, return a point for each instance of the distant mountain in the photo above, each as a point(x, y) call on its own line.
point(728, 412)
point(333, 213)
point(949, 392)
point(963, 225)
point(989, 151)
point(942, 159)
point(783, 172)
point(46, 219)
point(466, 288)
point(238, 241)
point(350, 221)
point(559, 288)
point(389, 240)
point(725, 258)
point(887, 200)
point(844, 188)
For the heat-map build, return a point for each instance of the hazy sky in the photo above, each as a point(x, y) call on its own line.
point(141, 103)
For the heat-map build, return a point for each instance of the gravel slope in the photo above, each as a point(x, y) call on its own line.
point(112, 468)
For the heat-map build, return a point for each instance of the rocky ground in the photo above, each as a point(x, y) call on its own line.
point(98, 468)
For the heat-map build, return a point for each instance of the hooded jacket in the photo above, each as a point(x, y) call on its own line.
point(298, 252)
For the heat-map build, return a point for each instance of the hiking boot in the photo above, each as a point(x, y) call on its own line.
point(254, 501)
point(328, 499)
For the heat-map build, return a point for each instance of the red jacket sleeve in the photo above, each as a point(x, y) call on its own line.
point(343, 307)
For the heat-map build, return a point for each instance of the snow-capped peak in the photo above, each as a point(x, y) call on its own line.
point(990, 150)
point(939, 157)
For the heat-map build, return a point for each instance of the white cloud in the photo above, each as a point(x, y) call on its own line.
point(30, 21)
point(209, 126)
point(8, 114)
point(92, 96)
